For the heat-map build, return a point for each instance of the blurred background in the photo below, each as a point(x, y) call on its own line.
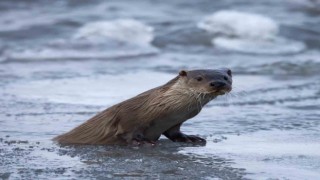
point(63, 61)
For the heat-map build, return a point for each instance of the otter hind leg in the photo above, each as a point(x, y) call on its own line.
point(174, 134)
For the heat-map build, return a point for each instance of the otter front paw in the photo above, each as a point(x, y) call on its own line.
point(139, 139)
point(142, 142)
point(180, 137)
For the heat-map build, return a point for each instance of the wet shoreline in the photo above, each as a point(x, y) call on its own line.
point(61, 62)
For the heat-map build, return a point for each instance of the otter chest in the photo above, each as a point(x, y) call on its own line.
point(160, 125)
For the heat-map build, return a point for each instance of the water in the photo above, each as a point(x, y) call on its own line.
point(63, 61)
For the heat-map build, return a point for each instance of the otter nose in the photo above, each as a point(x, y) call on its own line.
point(217, 84)
point(229, 72)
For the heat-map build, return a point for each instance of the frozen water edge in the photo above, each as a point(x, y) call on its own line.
point(269, 154)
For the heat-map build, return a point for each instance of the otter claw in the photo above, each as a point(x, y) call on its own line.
point(135, 143)
point(152, 143)
point(189, 139)
point(142, 142)
point(195, 138)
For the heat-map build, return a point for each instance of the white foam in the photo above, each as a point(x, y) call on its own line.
point(102, 40)
point(313, 4)
point(126, 30)
point(273, 46)
point(240, 24)
point(248, 33)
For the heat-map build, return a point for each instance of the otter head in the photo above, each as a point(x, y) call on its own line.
point(209, 82)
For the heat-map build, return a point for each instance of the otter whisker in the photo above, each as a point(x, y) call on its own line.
point(239, 91)
point(202, 99)
point(233, 94)
point(197, 101)
point(196, 95)
point(228, 96)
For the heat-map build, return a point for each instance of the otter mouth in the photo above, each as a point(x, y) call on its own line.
point(221, 91)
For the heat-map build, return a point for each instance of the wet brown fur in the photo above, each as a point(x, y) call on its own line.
point(120, 123)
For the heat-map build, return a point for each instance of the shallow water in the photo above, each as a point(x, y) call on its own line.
point(61, 65)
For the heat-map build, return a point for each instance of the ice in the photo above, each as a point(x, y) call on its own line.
point(100, 90)
point(269, 154)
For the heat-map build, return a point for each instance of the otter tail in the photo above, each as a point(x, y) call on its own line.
point(101, 129)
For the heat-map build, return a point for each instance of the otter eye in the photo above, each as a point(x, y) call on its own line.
point(199, 78)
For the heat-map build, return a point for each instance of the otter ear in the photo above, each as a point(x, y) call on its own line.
point(183, 73)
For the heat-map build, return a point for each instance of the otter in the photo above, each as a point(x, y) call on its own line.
point(159, 111)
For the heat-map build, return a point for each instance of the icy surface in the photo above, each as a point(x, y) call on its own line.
point(270, 154)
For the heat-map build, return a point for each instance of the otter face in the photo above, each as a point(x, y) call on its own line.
point(211, 82)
